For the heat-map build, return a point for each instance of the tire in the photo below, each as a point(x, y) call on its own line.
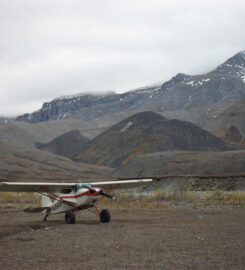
point(70, 217)
point(105, 216)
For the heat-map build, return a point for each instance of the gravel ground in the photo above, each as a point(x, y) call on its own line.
point(172, 238)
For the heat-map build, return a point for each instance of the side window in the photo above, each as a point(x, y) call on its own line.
point(66, 191)
point(76, 187)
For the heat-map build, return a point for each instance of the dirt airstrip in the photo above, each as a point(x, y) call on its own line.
point(172, 238)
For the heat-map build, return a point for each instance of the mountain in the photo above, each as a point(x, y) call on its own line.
point(234, 66)
point(126, 136)
point(88, 106)
point(23, 163)
point(67, 145)
point(146, 132)
point(183, 92)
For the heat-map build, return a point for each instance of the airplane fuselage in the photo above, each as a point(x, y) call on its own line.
point(79, 200)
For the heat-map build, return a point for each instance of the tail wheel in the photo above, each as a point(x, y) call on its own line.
point(70, 217)
point(105, 216)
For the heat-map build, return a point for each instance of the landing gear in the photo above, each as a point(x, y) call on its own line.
point(46, 214)
point(105, 216)
point(70, 217)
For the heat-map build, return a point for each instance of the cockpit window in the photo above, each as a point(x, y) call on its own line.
point(66, 191)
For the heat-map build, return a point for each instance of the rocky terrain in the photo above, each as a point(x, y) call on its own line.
point(171, 238)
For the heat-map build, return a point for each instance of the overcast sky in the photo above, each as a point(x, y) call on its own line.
point(50, 48)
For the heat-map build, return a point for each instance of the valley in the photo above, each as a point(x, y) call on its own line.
point(189, 125)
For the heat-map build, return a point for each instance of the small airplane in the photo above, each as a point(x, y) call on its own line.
point(70, 198)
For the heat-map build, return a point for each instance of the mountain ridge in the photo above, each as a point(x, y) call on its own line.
point(225, 83)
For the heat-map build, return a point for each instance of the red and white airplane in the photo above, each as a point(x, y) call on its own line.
point(70, 198)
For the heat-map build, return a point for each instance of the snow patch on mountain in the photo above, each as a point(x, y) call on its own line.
point(191, 83)
point(128, 125)
point(197, 83)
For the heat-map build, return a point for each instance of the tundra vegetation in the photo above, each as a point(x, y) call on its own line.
point(158, 199)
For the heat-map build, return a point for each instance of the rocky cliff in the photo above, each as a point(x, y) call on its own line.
point(183, 92)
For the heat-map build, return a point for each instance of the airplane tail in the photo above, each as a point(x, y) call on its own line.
point(46, 201)
point(36, 210)
point(46, 206)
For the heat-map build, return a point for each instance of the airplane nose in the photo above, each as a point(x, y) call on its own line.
point(96, 191)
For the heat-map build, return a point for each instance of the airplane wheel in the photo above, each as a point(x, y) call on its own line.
point(105, 216)
point(70, 217)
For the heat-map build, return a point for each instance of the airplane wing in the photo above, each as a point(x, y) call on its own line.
point(33, 186)
point(121, 184)
point(57, 187)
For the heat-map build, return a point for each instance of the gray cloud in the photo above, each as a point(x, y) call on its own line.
point(53, 48)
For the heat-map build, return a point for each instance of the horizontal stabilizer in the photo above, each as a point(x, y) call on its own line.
point(36, 210)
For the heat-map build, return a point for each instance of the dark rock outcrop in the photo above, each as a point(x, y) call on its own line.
point(233, 134)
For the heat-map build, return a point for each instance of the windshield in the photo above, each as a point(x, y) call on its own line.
point(80, 186)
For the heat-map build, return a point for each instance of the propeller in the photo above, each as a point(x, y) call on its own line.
point(106, 195)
